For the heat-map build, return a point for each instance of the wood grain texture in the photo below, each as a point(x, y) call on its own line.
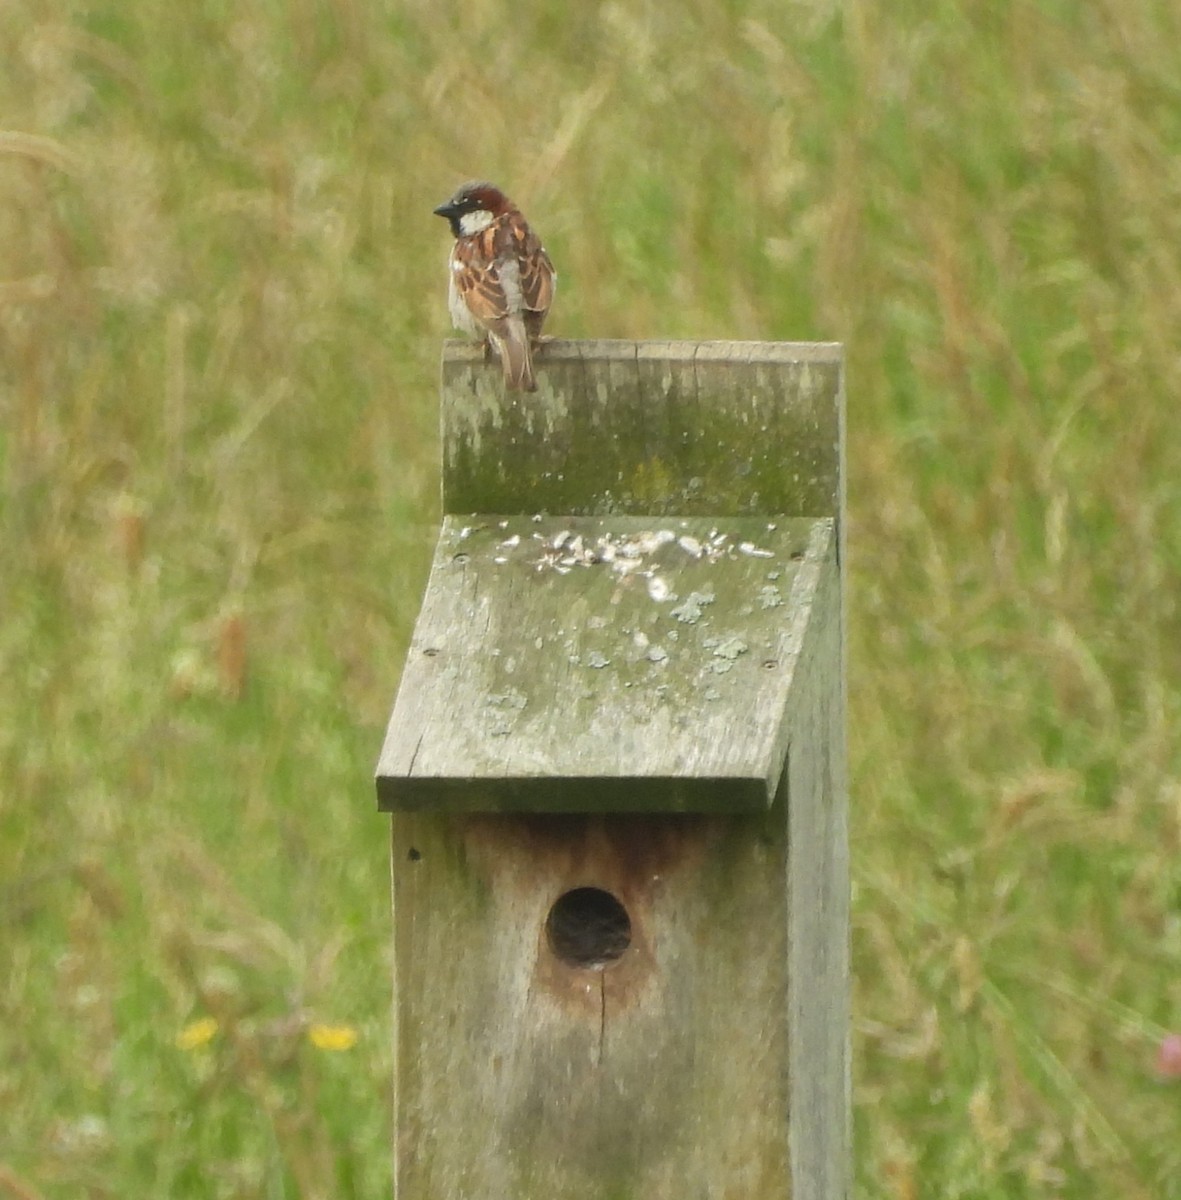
point(603, 664)
point(664, 1076)
point(656, 428)
point(818, 903)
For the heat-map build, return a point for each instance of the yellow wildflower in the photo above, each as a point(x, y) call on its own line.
point(197, 1033)
point(332, 1037)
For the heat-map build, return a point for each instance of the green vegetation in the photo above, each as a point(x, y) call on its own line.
point(221, 302)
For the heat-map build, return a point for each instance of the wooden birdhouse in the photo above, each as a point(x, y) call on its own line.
point(616, 772)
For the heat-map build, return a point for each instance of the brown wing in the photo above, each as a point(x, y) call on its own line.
point(537, 272)
point(478, 281)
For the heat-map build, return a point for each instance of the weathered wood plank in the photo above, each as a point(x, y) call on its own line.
point(816, 811)
point(659, 428)
point(662, 1077)
point(603, 664)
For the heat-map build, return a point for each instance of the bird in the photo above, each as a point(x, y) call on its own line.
point(502, 281)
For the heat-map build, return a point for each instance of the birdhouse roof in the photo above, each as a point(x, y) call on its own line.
point(607, 663)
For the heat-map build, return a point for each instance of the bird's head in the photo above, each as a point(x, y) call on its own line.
point(474, 207)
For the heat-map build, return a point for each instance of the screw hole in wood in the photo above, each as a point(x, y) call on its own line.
point(588, 928)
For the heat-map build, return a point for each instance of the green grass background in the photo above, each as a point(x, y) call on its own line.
point(221, 304)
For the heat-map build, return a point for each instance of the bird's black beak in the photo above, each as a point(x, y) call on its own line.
point(446, 210)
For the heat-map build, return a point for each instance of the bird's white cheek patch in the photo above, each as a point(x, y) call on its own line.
point(474, 222)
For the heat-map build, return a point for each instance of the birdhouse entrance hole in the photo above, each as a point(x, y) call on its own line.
point(588, 928)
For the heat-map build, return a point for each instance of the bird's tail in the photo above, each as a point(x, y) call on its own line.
point(517, 358)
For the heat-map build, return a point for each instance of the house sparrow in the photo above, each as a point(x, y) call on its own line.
point(502, 280)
